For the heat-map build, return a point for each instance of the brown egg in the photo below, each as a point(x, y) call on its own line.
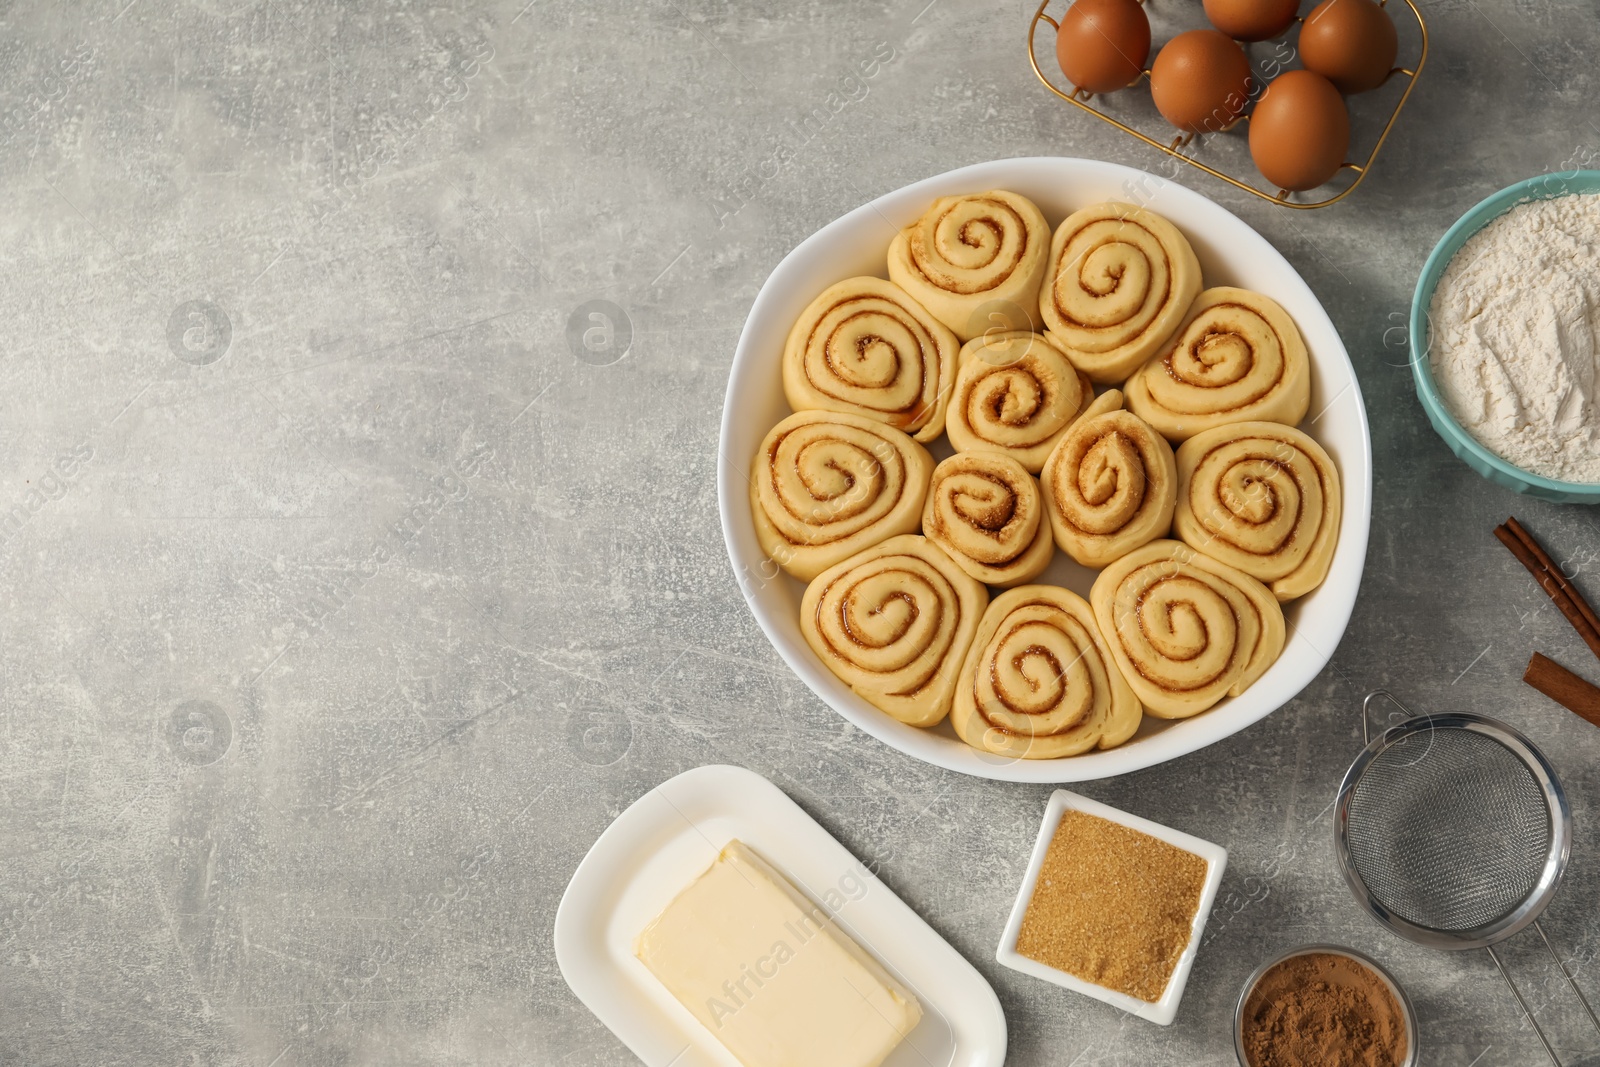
point(1102, 44)
point(1251, 20)
point(1350, 42)
point(1299, 131)
point(1200, 81)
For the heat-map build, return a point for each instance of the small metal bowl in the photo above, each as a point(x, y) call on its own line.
point(1400, 997)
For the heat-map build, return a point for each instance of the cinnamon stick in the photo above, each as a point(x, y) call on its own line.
point(1555, 572)
point(1547, 582)
point(1564, 687)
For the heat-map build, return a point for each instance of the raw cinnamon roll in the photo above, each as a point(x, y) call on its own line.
point(1237, 357)
point(864, 346)
point(1039, 681)
point(1015, 393)
point(1110, 484)
point(1185, 629)
point(975, 261)
point(984, 510)
point(826, 484)
point(1261, 497)
point(894, 623)
point(1117, 284)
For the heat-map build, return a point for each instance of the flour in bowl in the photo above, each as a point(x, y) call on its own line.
point(1515, 323)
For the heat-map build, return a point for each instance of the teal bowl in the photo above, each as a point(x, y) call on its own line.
point(1462, 443)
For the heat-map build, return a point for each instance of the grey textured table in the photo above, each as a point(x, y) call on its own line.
point(346, 598)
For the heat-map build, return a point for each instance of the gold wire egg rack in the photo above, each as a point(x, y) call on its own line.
point(1181, 141)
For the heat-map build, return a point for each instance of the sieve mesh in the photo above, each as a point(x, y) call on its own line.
point(1448, 829)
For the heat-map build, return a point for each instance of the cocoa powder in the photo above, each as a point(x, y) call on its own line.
point(1323, 1010)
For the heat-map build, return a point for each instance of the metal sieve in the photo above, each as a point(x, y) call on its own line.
point(1453, 832)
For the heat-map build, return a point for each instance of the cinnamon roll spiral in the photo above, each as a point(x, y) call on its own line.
point(894, 623)
point(1261, 497)
point(975, 261)
point(1237, 357)
point(1039, 681)
point(825, 485)
point(864, 346)
point(1016, 393)
point(984, 510)
point(1185, 629)
point(1117, 284)
point(1110, 485)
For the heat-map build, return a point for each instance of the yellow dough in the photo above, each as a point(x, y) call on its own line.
point(1261, 497)
point(1238, 357)
point(985, 511)
point(1185, 629)
point(825, 484)
point(1015, 393)
point(1117, 285)
point(975, 261)
point(894, 623)
point(1110, 485)
point(1039, 681)
point(865, 347)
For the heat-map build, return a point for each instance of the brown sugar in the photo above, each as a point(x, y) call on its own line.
point(1323, 1010)
point(1112, 906)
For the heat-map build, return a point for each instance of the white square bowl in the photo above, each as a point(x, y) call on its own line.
point(1164, 1010)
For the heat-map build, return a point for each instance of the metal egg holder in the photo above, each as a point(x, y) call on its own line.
point(1180, 141)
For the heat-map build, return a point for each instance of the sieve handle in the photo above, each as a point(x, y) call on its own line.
point(1537, 925)
point(1545, 1041)
point(1366, 708)
point(1524, 1004)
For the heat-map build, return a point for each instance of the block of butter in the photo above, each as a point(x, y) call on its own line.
point(770, 973)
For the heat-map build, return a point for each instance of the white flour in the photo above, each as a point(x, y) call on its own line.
point(1515, 321)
